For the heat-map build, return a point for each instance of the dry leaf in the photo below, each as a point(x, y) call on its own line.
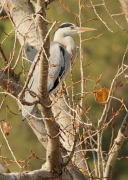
point(119, 84)
point(6, 127)
point(101, 95)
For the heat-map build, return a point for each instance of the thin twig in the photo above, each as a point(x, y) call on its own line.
point(100, 17)
point(81, 57)
point(3, 57)
point(72, 151)
point(10, 148)
point(113, 18)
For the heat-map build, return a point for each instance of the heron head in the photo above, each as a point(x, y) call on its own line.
point(70, 29)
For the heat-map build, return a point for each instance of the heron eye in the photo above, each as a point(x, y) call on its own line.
point(72, 27)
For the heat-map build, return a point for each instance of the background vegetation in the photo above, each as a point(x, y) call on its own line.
point(104, 52)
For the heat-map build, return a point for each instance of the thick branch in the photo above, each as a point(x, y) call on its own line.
point(114, 151)
point(65, 120)
point(69, 173)
point(37, 174)
point(11, 86)
point(124, 4)
point(49, 1)
point(24, 23)
point(21, 13)
point(53, 159)
point(26, 28)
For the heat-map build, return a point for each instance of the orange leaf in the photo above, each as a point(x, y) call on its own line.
point(6, 127)
point(101, 95)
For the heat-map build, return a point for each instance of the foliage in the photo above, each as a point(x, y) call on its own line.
point(102, 52)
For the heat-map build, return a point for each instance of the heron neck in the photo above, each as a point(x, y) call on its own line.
point(69, 44)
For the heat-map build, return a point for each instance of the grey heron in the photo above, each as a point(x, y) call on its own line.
point(62, 51)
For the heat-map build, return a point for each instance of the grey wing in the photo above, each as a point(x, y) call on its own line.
point(33, 86)
point(56, 66)
point(56, 71)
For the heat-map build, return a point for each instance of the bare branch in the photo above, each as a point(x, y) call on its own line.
point(14, 87)
point(49, 1)
point(10, 148)
point(112, 16)
point(100, 17)
point(53, 158)
point(42, 174)
point(114, 151)
point(3, 57)
point(124, 4)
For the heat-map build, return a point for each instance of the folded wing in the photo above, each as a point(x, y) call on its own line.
point(55, 75)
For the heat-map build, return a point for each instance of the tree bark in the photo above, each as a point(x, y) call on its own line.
point(22, 16)
point(114, 151)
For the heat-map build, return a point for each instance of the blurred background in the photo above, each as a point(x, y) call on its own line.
point(104, 51)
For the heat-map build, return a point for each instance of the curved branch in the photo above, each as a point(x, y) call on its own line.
point(53, 158)
point(114, 151)
point(42, 174)
point(69, 173)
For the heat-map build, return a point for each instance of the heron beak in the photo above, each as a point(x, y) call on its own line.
point(83, 29)
point(87, 29)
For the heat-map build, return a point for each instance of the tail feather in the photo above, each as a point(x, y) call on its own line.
point(33, 84)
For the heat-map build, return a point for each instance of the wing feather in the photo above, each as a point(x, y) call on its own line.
point(57, 65)
point(56, 71)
